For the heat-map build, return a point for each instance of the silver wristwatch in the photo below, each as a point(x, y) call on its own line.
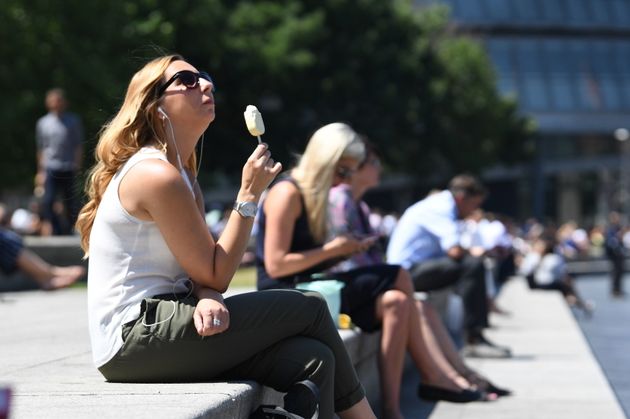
point(246, 209)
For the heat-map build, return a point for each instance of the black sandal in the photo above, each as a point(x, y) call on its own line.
point(300, 402)
point(272, 412)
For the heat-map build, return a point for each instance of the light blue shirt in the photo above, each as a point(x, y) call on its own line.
point(425, 231)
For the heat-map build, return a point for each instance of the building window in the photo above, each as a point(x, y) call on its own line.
point(620, 13)
point(553, 11)
point(558, 68)
point(500, 51)
point(578, 11)
point(532, 84)
point(499, 10)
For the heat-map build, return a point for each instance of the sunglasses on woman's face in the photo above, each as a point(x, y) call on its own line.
point(345, 172)
point(188, 78)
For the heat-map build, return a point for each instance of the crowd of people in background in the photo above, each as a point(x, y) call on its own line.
point(504, 241)
point(312, 222)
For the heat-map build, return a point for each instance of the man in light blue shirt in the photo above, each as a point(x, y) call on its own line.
point(426, 241)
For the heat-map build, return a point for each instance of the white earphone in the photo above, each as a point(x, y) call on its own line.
point(179, 161)
point(160, 110)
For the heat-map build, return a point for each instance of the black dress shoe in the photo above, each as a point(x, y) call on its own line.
point(480, 347)
point(501, 392)
point(432, 393)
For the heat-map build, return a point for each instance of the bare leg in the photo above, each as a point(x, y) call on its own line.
point(361, 410)
point(46, 228)
point(573, 298)
point(432, 322)
point(48, 276)
point(425, 349)
point(394, 309)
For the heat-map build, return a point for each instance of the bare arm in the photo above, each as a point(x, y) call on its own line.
point(154, 190)
point(282, 208)
point(456, 252)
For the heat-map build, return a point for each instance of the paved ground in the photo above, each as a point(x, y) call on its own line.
point(553, 373)
point(608, 333)
point(45, 358)
point(44, 348)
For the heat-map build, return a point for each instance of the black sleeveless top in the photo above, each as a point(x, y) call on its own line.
point(302, 240)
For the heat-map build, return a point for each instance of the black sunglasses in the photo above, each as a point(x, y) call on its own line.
point(345, 172)
point(188, 78)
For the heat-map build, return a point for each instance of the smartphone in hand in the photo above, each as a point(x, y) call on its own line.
point(370, 239)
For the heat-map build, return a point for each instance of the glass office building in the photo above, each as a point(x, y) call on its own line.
point(568, 64)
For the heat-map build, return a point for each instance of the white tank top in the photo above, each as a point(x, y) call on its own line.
point(129, 261)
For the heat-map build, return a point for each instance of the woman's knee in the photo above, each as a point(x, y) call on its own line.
point(318, 360)
point(396, 301)
point(315, 301)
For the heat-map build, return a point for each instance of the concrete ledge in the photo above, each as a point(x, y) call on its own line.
point(78, 390)
point(46, 360)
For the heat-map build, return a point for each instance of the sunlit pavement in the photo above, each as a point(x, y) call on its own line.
point(608, 333)
point(553, 373)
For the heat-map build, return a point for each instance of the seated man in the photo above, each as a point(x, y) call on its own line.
point(13, 256)
point(426, 241)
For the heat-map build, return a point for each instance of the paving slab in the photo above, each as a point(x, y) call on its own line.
point(553, 372)
point(608, 332)
point(45, 359)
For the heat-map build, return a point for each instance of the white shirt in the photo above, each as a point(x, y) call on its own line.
point(425, 231)
point(546, 269)
point(129, 261)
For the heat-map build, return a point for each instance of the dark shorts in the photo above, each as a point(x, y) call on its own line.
point(10, 247)
point(363, 287)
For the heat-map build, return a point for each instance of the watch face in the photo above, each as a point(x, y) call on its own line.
point(248, 209)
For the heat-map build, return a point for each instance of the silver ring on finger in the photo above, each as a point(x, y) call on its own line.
point(216, 322)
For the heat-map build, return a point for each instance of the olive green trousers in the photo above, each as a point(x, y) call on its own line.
point(275, 337)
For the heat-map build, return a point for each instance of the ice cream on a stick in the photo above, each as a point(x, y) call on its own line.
point(254, 121)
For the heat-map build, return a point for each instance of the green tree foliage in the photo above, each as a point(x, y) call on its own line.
point(426, 96)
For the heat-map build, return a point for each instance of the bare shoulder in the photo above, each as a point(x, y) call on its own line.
point(283, 197)
point(153, 173)
point(149, 184)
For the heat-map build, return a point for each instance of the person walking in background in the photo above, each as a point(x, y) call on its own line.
point(14, 256)
point(156, 274)
point(427, 242)
point(59, 137)
point(616, 253)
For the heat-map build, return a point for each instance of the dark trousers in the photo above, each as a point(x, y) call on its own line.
point(60, 182)
point(616, 273)
point(276, 337)
point(10, 247)
point(467, 276)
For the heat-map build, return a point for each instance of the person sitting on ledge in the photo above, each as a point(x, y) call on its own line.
point(294, 243)
point(427, 242)
point(155, 309)
point(15, 257)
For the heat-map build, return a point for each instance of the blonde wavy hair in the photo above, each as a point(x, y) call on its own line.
point(316, 168)
point(134, 126)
